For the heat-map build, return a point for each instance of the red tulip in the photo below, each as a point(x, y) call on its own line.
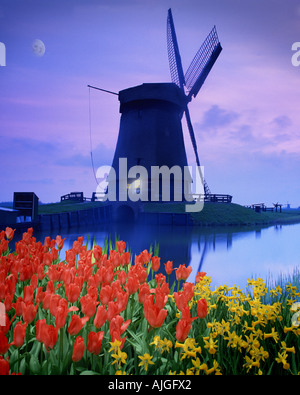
point(169, 267)
point(28, 293)
point(183, 272)
point(122, 277)
point(4, 346)
point(121, 245)
point(122, 299)
point(117, 328)
point(202, 308)
point(29, 312)
point(188, 289)
point(153, 314)
point(46, 300)
point(95, 342)
point(139, 271)
point(78, 349)
point(59, 242)
point(9, 233)
point(33, 281)
point(155, 263)
point(132, 284)
point(68, 275)
point(160, 297)
point(76, 324)
point(47, 259)
point(54, 300)
point(39, 295)
point(199, 276)
point(184, 325)
point(106, 294)
point(39, 329)
point(4, 366)
point(53, 273)
point(181, 300)
point(10, 284)
point(19, 334)
point(100, 317)
point(4, 321)
point(112, 310)
point(8, 301)
point(72, 292)
point(61, 316)
point(97, 252)
point(125, 258)
point(144, 290)
point(182, 329)
point(41, 272)
point(49, 335)
point(143, 258)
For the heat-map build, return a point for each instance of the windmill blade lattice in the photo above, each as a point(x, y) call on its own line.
point(202, 63)
point(176, 70)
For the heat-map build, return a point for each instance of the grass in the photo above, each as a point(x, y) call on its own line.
point(228, 214)
point(66, 206)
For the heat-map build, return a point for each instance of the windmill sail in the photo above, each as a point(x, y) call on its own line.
point(176, 70)
point(197, 73)
point(202, 63)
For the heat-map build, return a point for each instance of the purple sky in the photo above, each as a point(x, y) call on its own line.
point(246, 116)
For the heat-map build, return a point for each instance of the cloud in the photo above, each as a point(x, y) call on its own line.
point(26, 150)
point(217, 117)
point(282, 122)
point(101, 156)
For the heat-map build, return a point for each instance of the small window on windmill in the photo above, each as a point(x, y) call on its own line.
point(136, 184)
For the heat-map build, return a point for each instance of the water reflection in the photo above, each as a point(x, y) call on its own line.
point(229, 255)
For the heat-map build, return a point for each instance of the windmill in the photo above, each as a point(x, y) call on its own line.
point(191, 82)
point(150, 133)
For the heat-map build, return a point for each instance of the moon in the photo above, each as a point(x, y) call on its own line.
point(38, 47)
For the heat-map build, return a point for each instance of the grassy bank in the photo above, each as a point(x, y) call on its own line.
point(66, 206)
point(213, 214)
point(229, 214)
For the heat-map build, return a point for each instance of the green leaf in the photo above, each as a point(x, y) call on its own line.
point(13, 357)
point(138, 344)
point(36, 349)
point(22, 367)
point(88, 373)
point(34, 365)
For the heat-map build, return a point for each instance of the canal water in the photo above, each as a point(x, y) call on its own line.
point(229, 255)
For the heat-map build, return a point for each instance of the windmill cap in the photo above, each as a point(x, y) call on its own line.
point(167, 92)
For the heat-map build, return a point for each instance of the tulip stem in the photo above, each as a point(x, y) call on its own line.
point(61, 346)
point(18, 368)
point(87, 327)
point(178, 285)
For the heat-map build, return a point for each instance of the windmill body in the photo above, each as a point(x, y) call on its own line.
point(150, 131)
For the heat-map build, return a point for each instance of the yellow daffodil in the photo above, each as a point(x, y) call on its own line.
point(146, 361)
point(273, 334)
point(282, 359)
point(120, 357)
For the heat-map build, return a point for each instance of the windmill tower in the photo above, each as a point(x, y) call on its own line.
point(150, 131)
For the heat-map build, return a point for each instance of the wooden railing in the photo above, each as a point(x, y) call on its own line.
point(214, 197)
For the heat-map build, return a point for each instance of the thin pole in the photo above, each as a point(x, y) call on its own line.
point(90, 127)
point(103, 90)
